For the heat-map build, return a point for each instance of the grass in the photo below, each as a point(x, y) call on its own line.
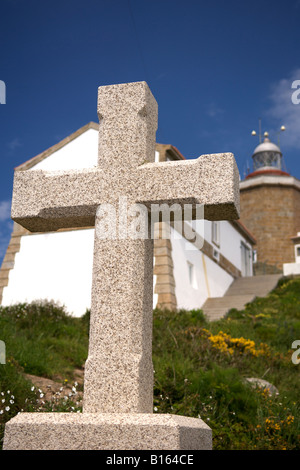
point(41, 339)
point(44, 339)
point(200, 367)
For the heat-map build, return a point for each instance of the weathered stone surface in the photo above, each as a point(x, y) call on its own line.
point(108, 431)
point(40, 205)
point(119, 370)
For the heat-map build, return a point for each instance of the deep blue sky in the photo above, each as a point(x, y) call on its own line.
point(214, 67)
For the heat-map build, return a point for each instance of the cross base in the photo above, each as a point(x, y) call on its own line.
point(106, 431)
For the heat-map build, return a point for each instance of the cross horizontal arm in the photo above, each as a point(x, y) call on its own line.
point(47, 200)
point(50, 200)
point(211, 180)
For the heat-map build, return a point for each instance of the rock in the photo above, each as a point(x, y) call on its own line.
point(263, 384)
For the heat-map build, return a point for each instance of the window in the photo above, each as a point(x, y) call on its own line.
point(298, 250)
point(192, 275)
point(216, 255)
point(215, 233)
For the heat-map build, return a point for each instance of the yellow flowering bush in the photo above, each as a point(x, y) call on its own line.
point(275, 432)
point(225, 343)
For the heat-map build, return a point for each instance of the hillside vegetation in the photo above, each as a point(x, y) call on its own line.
point(200, 367)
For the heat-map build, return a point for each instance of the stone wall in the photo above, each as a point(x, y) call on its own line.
point(271, 212)
point(9, 258)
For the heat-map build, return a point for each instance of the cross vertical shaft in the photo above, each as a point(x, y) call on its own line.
point(119, 371)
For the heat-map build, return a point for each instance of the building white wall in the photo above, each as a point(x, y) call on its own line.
point(230, 242)
point(211, 280)
point(53, 266)
point(81, 152)
point(291, 269)
point(56, 267)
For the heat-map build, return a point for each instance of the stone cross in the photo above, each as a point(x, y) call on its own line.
point(119, 371)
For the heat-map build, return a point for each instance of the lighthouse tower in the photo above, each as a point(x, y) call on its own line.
point(270, 207)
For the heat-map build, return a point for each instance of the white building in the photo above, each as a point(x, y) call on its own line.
point(293, 268)
point(58, 265)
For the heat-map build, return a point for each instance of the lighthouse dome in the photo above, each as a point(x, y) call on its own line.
point(267, 159)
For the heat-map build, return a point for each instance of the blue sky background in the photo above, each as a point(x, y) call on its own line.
point(214, 68)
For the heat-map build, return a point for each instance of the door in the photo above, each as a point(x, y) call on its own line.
point(297, 253)
point(246, 260)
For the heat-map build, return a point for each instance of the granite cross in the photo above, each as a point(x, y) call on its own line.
point(119, 371)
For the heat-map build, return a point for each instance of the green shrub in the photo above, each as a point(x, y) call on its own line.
point(200, 367)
